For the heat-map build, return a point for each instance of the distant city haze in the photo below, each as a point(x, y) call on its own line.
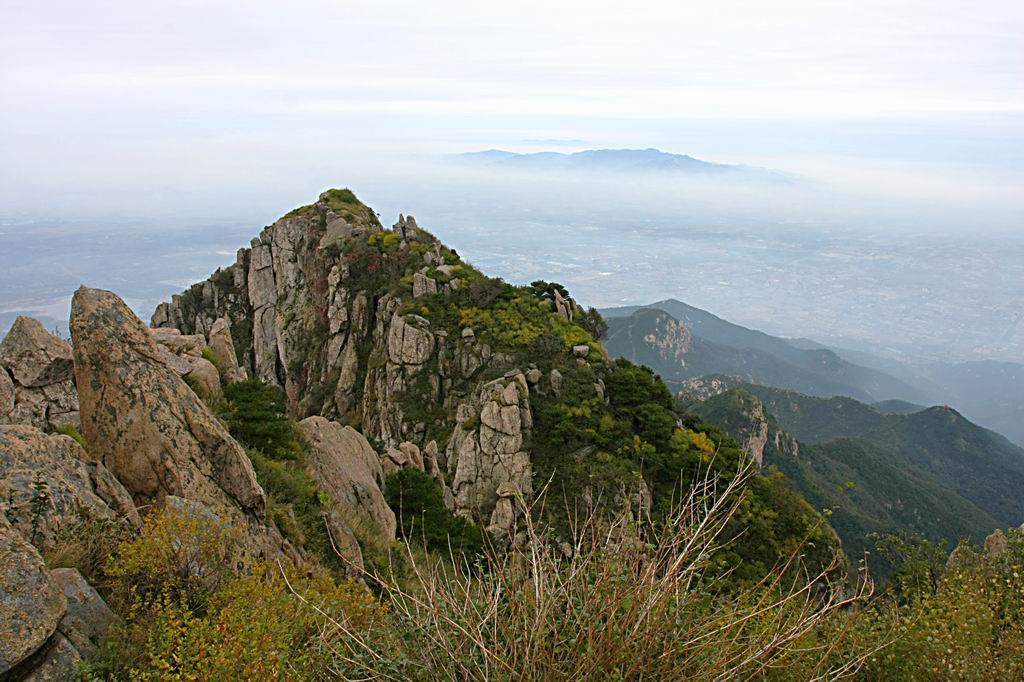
point(141, 144)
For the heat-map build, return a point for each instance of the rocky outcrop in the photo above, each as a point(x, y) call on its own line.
point(347, 469)
point(31, 602)
point(6, 395)
point(333, 308)
point(744, 417)
point(183, 353)
point(49, 487)
point(144, 423)
point(49, 620)
point(223, 345)
point(33, 356)
point(996, 544)
point(750, 431)
point(671, 340)
point(88, 618)
point(36, 378)
point(204, 379)
point(487, 450)
point(699, 389)
point(423, 285)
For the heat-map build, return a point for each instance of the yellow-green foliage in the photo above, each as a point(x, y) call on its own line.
point(210, 355)
point(85, 543)
point(521, 320)
point(964, 622)
point(72, 432)
point(385, 241)
point(970, 626)
point(180, 554)
point(253, 628)
point(339, 199)
point(195, 609)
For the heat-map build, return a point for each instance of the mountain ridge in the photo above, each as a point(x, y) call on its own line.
point(733, 349)
point(648, 160)
point(977, 464)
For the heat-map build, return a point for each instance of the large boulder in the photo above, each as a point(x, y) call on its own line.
point(204, 378)
point(88, 618)
point(142, 420)
point(57, 661)
point(48, 485)
point(222, 343)
point(36, 378)
point(345, 466)
point(31, 601)
point(34, 356)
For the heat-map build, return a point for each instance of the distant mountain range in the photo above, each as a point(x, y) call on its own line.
point(616, 161)
point(715, 346)
point(681, 342)
point(932, 472)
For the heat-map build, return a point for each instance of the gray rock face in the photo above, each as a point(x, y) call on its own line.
point(755, 434)
point(31, 602)
point(88, 618)
point(184, 355)
point(305, 314)
point(36, 378)
point(409, 341)
point(47, 651)
point(57, 661)
point(996, 544)
point(49, 485)
point(703, 388)
point(180, 344)
point(145, 424)
point(423, 285)
point(555, 379)
point(344, 466)
point(486, 448)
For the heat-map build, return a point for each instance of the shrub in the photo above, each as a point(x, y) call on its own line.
point(260, 626)
point(961, 622)
point(593, 323)
point(180, 556)
point(255, 415)
point(596, 609)
point(484, 292)
point(296, 506)
point(210, 355)
point(86, 544)
point(419, 507)
point(72, 432)
point(385, 241)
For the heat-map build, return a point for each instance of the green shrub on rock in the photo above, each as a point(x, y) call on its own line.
point(255, 414)
point(422, 517)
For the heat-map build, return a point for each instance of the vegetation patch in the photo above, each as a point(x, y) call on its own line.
point(193, 608)
point(423, 519)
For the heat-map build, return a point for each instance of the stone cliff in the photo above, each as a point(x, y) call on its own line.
point(367, 327)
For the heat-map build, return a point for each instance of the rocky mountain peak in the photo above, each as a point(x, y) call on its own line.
point(390, 332)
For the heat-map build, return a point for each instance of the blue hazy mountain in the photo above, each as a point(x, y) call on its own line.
point(615, 161)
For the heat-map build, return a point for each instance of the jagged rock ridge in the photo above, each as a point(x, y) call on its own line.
point(326, 305)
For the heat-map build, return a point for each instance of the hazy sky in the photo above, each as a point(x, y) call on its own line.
point(102, 97)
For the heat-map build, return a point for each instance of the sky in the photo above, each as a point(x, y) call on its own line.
point(113, 100)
